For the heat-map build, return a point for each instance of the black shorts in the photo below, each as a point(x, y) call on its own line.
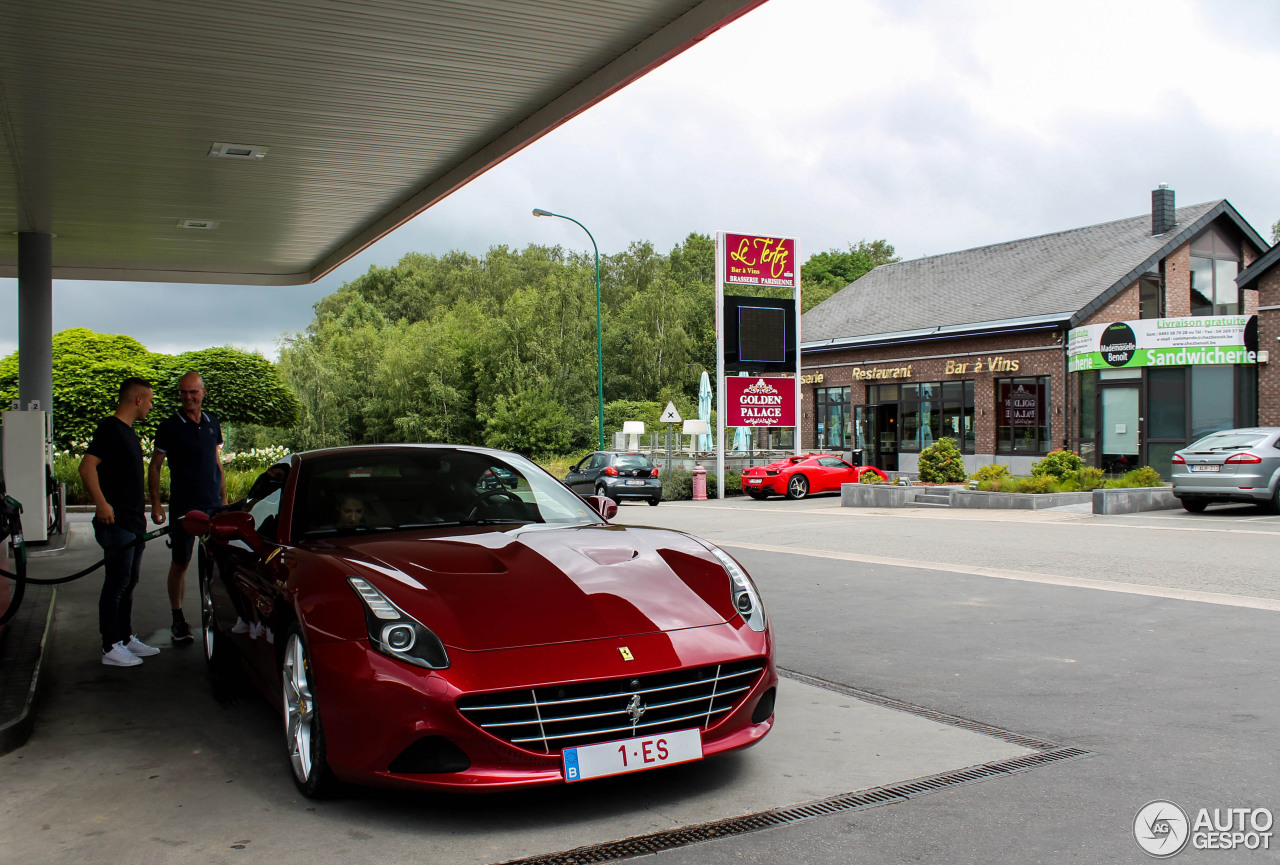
point(181, 542)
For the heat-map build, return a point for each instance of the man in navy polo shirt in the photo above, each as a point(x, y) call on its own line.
point(191, 440)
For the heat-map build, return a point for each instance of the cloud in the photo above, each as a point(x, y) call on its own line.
point(936, 126)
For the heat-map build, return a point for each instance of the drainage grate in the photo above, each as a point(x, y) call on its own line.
point(920, 711)
point(659, 841)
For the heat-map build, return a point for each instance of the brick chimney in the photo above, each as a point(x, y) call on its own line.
point(1162, 215)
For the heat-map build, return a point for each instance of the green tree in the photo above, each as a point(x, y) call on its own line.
point(827, 272)
point(242, 386)
point(531, 423)
point(88, 368)
point(1275, 232)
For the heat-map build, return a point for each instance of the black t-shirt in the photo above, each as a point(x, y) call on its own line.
point(120, 472)
point(191, 449)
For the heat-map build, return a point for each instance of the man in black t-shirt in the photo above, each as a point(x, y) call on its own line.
point(191, 439)
point(112, 473)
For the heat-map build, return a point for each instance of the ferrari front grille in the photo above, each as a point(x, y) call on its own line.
point(553, 717)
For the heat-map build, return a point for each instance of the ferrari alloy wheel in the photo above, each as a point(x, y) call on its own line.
point(217, 648)
point(797, 487)
point(304, 736)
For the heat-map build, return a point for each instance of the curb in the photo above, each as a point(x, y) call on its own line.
point(14, 734)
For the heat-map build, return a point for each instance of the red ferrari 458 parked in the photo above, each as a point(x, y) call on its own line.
point(798, 476)
point(419, 625)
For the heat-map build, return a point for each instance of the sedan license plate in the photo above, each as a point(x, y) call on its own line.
point(632, 755)
point(635, 483)
point(1206, 468)
point(755, 480)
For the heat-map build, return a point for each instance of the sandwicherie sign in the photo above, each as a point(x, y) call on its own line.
point(1185, 341)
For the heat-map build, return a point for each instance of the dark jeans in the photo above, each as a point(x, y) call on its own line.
point(115, 604)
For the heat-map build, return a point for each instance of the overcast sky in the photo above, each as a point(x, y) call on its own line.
point(938, 126)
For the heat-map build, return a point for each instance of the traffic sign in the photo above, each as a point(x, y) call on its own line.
point(670, 415)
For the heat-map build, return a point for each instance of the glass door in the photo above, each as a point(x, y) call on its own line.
point(1121, 428)
point(886, 437)
point(864, 434)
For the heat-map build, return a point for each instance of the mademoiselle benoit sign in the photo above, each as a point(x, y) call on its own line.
point(1185, 341)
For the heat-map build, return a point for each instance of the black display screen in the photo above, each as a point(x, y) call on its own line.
point(759, 334)
point(762, 334)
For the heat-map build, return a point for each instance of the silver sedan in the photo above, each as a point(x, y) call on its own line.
point(1237, 465)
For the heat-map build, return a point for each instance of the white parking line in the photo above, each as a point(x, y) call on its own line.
point(1028, 577)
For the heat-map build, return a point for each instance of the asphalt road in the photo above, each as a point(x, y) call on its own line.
point(1148, 641)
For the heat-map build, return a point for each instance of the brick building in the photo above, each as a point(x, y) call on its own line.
point(1263, 277)
point(1123, 341)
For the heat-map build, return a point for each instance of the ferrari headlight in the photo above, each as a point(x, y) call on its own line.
point(746, 598)
point(394, 632)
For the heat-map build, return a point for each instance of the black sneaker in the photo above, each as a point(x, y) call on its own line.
point(181, 632)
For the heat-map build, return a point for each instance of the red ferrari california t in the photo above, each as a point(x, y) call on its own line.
point(798, 476)
point(420, 626)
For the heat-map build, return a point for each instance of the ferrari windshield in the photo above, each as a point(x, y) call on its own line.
point(391, 488)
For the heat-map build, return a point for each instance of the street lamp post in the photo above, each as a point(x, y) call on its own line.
point(599, 329)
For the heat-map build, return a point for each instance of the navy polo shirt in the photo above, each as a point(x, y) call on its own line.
point(191, 449)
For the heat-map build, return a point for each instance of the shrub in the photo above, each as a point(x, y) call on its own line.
point(1090, 478)
point(870, 478)
point(1059, 464)
point(257, 459)
point(1037, 484)
point(941, 462)
point(677, 485)
point(990, 473)
point(1140, 477)
point(239, 481)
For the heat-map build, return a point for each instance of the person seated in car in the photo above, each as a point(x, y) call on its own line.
point(350, 512)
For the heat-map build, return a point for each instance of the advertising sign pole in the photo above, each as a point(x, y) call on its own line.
point(719, 406)
point(795, 431)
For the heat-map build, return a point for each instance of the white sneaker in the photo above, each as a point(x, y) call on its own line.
point(119, 656)
point(139, 648)
point(240, 627)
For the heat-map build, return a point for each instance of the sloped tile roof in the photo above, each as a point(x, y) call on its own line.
point(1053, 274)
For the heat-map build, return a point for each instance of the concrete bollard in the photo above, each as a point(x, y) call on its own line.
point(699, 484)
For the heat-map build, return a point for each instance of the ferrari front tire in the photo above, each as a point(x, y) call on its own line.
point(218, 651)
point(304, 734)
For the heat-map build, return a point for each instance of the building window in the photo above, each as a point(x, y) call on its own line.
point(1150, 299)
point(1215, 261)
point(1022, 415)
point(936, 409)
point(831, 418)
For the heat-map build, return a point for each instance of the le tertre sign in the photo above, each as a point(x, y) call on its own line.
point(760, 401)
point(755, 260)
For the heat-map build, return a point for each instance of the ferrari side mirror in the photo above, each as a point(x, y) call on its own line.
point(196, 523)
point(604, 506)
point(236, 526)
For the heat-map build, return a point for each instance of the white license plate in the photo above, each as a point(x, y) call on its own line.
point(635, 483)
point(632, 755)
point(1206, 468)
point(755, 480)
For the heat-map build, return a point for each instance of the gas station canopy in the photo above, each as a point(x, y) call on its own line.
point(265, 143)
